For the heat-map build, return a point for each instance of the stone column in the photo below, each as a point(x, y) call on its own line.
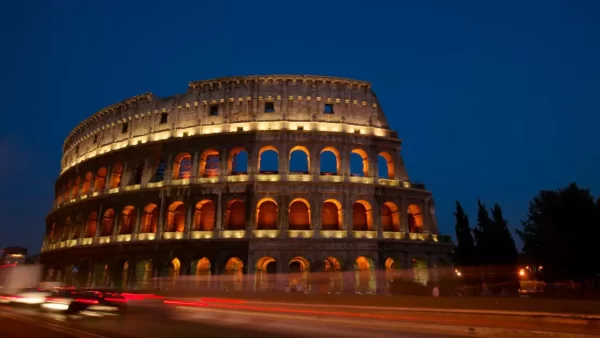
point(99, 219)
point(161, 216)
point(189, 207)
point(169, 169)
point(195, 167)
point(136, 226)
point(125, 174)
point(115, 229)
point(219, 226)
point(316, 205)
point(108, 178)
point(146, 173)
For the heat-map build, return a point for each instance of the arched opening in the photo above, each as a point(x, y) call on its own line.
point(174, 269)
point(235, 217)
point(100, 180)
point(237, 163)
point(87, 183)
point(385, 164)
point(359, 163)
point(365, 281)
point(67, 191)
point(66, 229)
point(75, 189)
point(108, 222)
point(299, 214)
point(182, 166)
point(176, 217)
point(267, 213)
point(150, 219)
point(415, 219)
point(137, 174)
point(81, 274)
point(59, 195)
point(209, 163)
point(268, 160)
point(143, 275)
point(266, 273)
point(298, 276)
point(334, 274)
point(201, 270)
point(329, 161)
point(331, 218)
point(115, 176)
point(420, 270)
point(77, 227)
point(127, 220)
point(390, 267)
point(362, 216)
point(234, 269)
point(390, 217)
point(159, 172)
point(299, 160)
point(124, 280)
point(90, 224)
point(204, 216)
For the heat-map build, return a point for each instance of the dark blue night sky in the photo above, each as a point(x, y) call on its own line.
point(493, 99)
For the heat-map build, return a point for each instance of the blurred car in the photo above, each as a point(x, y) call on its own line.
point(73, 302)
point(29, 296)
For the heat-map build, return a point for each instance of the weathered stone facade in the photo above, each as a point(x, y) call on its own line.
point(136, 186)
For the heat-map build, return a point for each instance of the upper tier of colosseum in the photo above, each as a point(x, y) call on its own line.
point(231, 104)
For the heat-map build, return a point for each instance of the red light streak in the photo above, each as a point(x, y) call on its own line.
point(86, 301)
point(116, 300)
point(223, 300)
point(175, 302)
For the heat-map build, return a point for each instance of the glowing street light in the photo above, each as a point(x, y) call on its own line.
point(522, 272)
point(458, 273)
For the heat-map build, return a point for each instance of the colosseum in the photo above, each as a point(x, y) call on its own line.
point(240, 176)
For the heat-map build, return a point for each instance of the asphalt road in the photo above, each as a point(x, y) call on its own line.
point(175, 321)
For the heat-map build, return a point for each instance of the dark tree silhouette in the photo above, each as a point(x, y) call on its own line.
point(464, 252)
point(561, 231)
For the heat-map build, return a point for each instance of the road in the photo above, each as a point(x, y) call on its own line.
point(183, 321)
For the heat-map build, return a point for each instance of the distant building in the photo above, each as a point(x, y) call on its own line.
point(14, 255)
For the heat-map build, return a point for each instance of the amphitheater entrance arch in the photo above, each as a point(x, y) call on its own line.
point(127, 220)
point(209, 163)
point(420, 270)
point(266, 274)
point(143, 274)
point(176, 217)
point(359, 163)
point(201, 269)
point(390, 217)
point(365, 276)
point(385, 164)
point(90, 224)
point(237, 163)
point(267, 214)
point(362, 216)
point(182, 166)
point(268, 160)
point(108, 222)
point(120, 275)
point(150, 219)
point(415, 219)
point(299, 268)
point(333, 276)
point(234, 272)
point(204, 216)
point(329, 161)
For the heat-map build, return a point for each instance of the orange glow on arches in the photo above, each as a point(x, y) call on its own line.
point(390, 217)
point(335, 152)
point(127, 220)
point(206, 167)
point(150, 219)
point(415, 219)
point(87, 183)
point(390, 164)
point(365, 160)
point(267, 213)
point(115, 176)
point(299, 214)
point(108, 222)
point(235, 215)
point(182, 166)
point(232, 155)
point(331, 217)
point(362, 216)
point(100, 180)
point(204, 216)
point(176, 217)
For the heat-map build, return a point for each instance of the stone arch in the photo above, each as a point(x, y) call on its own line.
point(386, 167)
point(138, 173)
point(234, 270)
point(174, 268)
point(235, 216)
point(90, 224)
point(234, 160)
point(150, 219)
point(299, 214)
point(76, 185)
point(115, 176)
point(87, 183)
point(331, 217)
point(415, 219)
point(365, 277)
point(182, 166)
point(66, 228)
point(201, 270)
point(209, 163)
point(108, 222)
point(204, 216)
point(364, 157)
point(176, 217)
point(324, 161)
point(121, 274)
point(267, 170)
point(266, 273)
point(334, 279)
point(143, 274)
point(127, 220)
point(299, 268)
point(267, 214)
point(420, 270)
point(67, 191)
point(77, 227)
point(100, 181)
point(362, 216)
point(297, 160)
point(390, 217)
